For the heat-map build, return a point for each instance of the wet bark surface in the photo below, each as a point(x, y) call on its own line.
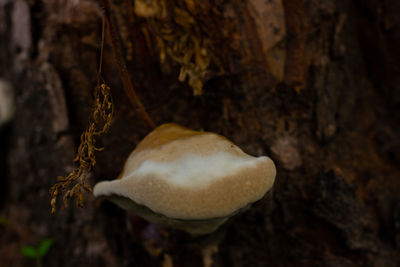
point(312, 84)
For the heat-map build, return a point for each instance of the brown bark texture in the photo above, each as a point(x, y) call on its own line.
point(314, 84)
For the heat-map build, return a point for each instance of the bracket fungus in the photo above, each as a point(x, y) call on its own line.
point(188, 180)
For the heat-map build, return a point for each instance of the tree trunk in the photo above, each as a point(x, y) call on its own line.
point(313, 84)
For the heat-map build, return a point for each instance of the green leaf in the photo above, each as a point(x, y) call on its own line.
point(3, 220)
point(44, 247)
point(29, 252)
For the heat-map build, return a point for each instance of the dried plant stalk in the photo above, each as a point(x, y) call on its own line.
point(99, 123)
point(123, 71)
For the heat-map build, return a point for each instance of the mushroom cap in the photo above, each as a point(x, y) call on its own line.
point(190, 175)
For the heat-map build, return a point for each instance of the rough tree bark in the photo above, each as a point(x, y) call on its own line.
point(312, 83)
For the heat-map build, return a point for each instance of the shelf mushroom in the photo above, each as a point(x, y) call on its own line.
point(188, 180)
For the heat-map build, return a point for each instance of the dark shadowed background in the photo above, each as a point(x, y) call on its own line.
point(314, 84)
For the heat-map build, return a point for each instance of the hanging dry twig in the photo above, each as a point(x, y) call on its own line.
point(99, 123)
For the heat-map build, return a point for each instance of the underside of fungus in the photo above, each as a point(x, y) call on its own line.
point(188, 180)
